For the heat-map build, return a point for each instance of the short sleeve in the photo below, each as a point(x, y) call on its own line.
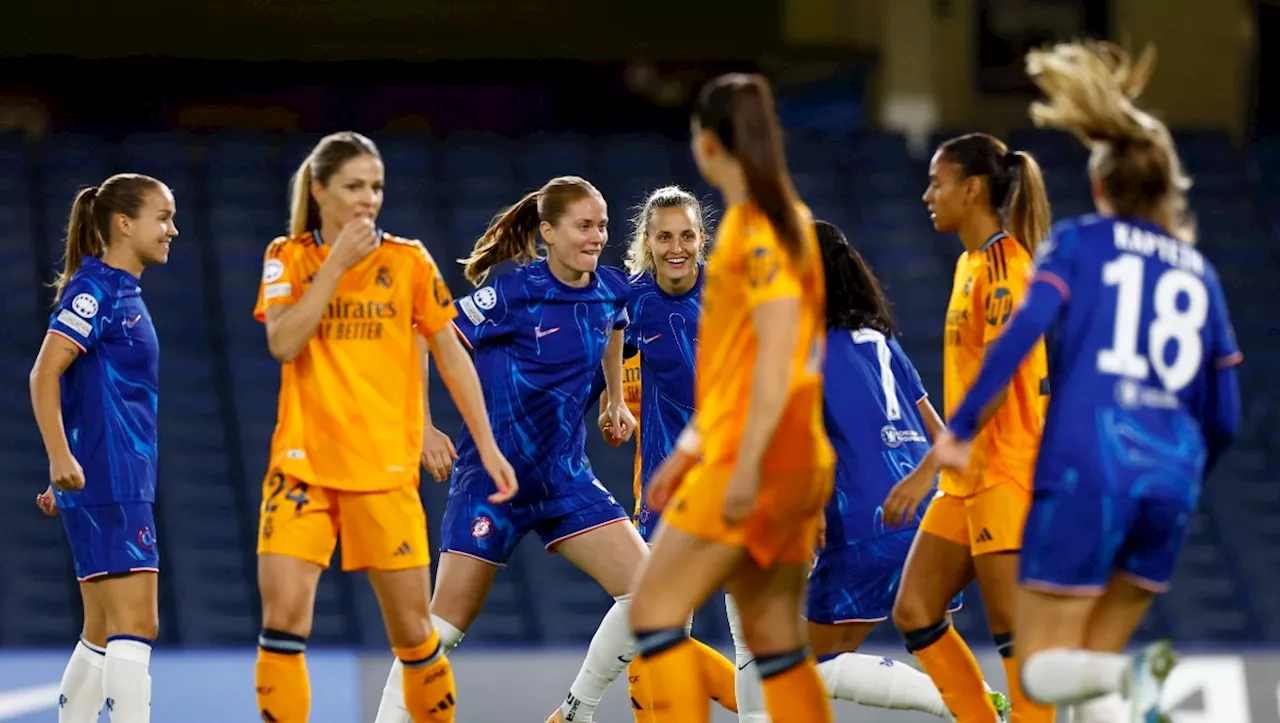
point(483, 315)
point(623, 319)
point(78, 315)
point(279, 283)
point(433, 307)
point(769, 274)
point(910, 378)
point(1002, 289)
point(1226, 350)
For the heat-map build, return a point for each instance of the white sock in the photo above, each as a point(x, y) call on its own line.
point(746, 684)
point(80, 696)
point(1062, 676)
point(126, 680)
point(392, 708)
point(1107, 709)
point(881, 683)
point(611, 650)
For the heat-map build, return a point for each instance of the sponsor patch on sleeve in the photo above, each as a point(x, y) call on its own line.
point(470, 310)
point(272, 270)
point(75, 323)
point(275, 291)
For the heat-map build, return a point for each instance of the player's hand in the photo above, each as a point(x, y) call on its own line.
point(438, 454)
point(906, 496)
point(66, 473)
point(950, 452)
point(502, 474)
point(617, 423)
point(357, 240)
point(740, 496)
point(47, 503)
point(668, 478)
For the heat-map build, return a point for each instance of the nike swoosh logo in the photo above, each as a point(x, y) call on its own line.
point(744, 665)
point(649, 339)
point(540, 332)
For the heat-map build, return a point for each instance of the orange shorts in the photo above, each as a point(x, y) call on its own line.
point(989, 521)
point(782, 530)
point(384, 530)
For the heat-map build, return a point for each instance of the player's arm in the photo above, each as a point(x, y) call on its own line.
point(55, 357)
point(621, 423)
point(291, 326)
point(777, 328)
point(1043, 301)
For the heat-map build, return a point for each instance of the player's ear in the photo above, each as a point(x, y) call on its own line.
point(548, 233)
point(122, 223)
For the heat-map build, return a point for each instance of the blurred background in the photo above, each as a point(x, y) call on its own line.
point(475, 102)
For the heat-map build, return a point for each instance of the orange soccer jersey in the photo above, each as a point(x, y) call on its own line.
point(989, 285)
point(350, 409)
point(631, 392)
point(747, 268)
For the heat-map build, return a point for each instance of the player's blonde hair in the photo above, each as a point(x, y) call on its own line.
point(1091, 88)
point(321, 163)
point(89, 225)
point(639, 255)
point(513, 233)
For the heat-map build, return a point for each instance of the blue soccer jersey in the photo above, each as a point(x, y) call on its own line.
point(664, 328)
point(870, 393)
point(538, 344)
point(1144, 398)
point(870, 396)
point(110, 392)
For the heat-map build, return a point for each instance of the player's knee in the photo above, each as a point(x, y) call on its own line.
point(134, 622)
point(288, 613)
point(911, 613)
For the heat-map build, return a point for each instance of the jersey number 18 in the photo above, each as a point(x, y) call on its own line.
point(1171, 324)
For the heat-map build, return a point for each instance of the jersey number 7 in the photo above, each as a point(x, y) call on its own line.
point(892, 411)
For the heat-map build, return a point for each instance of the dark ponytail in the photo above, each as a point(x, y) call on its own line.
point(513, 233)
point(739, 109)
point(855, 298)
point(89, 226)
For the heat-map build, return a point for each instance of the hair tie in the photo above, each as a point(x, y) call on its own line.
point(93, 192)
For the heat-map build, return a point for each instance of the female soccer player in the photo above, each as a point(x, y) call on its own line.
point(343, 303)
point(94, 389)
point(539, 333)
point(994, 199)
point(748, 516)
point(1145, 393)
point(665, 258)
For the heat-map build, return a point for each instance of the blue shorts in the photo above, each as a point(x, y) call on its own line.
point(857, 583)
point(1076, 538)
point(111, 539)
point(475, 527)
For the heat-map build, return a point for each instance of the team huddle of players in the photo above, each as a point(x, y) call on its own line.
point(787, 451)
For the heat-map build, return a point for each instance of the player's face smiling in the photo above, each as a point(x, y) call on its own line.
point(675, 242)
point(152, 232)
point(353, 191)
point(946, 196)
point(576, 240)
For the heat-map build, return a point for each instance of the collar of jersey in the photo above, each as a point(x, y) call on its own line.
point(93, 262)
point(315, 235)
point(542, 266)
point(995, 239)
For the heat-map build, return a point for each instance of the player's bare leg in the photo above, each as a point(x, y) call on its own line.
point(288, 586)
point(1060, 669)
point(683, 571)
point(997, 574)
point(1115, 617)
point(130, 604)
point(867, 679)
point(427, 686)
point(80, 694)
point(612, 555)
point(936, 570)
point(462, 585)
point(770, 602)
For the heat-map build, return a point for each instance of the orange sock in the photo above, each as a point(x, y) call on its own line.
point(793, 690)
point(429, 690)
point(674, 668)
point(718, 675)
point(638, 689)
point(1025, 710)
point(955, 671)
point(284, 690)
